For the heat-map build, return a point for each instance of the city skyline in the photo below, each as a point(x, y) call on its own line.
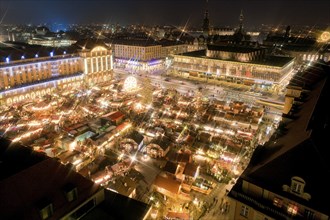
point(148, 12)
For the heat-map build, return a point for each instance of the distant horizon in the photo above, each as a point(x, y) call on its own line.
point(55, 24)
point(177, 13)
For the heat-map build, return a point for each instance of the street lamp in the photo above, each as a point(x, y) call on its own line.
point(133, 158)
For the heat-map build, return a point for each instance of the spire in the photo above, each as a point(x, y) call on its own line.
point(206, 21)
point(287, 32)
point(241, 17)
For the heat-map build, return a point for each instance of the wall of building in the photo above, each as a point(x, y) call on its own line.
point(97, 198)
point(38, 90)
point(276, 204)
point(97, 64)
point(33, 78)
point(223, 69)
point(15, 73)
point(140, 53)
point(292, 92)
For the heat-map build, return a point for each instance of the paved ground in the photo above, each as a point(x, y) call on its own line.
point(220, 206)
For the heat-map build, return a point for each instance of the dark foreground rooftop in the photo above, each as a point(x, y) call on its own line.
point(117, 206)
point(30, 181)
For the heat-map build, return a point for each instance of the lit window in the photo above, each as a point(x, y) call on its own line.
point(46, 212)
point(277, 202)
point(292, 209)
point(296, 187)
point(72, 194)
point(244, 211)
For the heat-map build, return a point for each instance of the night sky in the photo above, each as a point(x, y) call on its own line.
point(174, 12)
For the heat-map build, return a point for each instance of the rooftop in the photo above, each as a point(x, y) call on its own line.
point(277, 61)
point(168, 184)
point(123, 185)
point(190, 169)
point(23, 52)
point(135, 42)
point(170, 167)
point(10, 154)
point(113, 116)
point(234, 49)
point(163, 142)
point(179, 157)
point(33, 178)
point(307, 79)
point(165, 42)
point(135, 136)
point(117, 206)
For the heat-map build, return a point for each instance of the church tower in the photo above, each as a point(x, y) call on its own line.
point(287, 32)
point(206, 21)
point(240, 34)
point(241, 17)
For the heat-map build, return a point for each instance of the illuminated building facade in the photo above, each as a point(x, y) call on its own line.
point(144, 55)
point(233, 63)
point(137, 55)
point(305, 54)
point(36, 71)
point(97, 64)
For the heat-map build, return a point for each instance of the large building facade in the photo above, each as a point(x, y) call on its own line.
point(234, 63)
point(144, 55)
point(136, 56)
point(36, 71)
